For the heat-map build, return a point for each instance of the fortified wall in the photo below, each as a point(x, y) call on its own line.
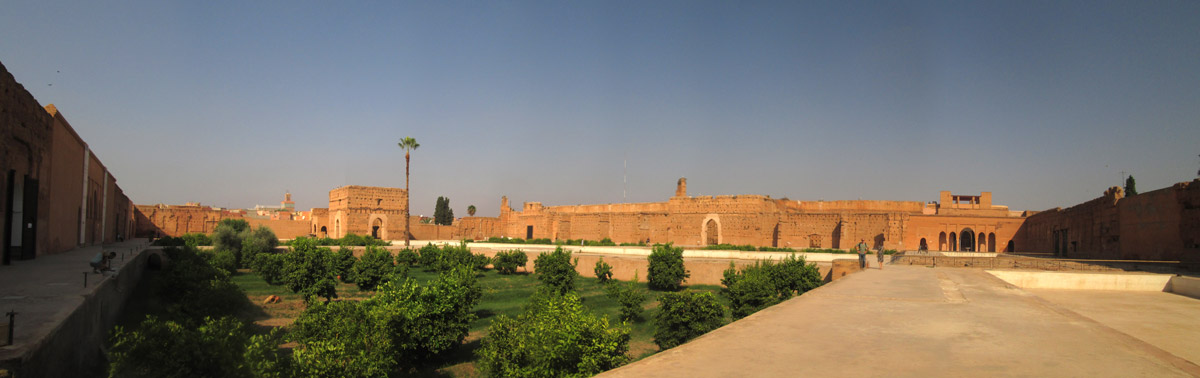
point(1159, 225)
point(176, 220)
point(55, 194)
point(362, 210)
point(957, 223)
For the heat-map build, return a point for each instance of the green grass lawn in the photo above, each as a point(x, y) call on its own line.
point(502, 295)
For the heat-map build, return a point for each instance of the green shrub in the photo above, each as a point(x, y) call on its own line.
point(352, 240)
point(554, 337)
point(265, 358)
point(450, 256)
point(731, 247)
point(192, 288)
point(603, 271)
point(308, 270)
point(373, 268)
point(228, 235)
point(343, 264)
point(170, 241)
point(225, 261)
point(507, 262)
point(404, 325)
point(196, 239)
point(163, 348)
point(480, 261)
point(629, 295)
point(341, 339)
point(556, 270)
point(776, 249)
point(260, 240)
point(429, 255)
point(269, 266)
point(426, 321)
point(666, 271)
point(766, 283)
point(192, 239)
point(684, 316)
point(406, 257)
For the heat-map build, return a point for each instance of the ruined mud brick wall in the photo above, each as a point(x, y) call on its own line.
point(857, 206)
point(38, 143)
point(66, 172)
point(283, 229)
point(936, 230)
point(358, 209)
point(1087, 230)
point(801, 231)
point(1158, 225)
point(1149, 225)
point(319, 219)
point(435, 232)
point(25, 140)
point(479, 228)
point(1189, 221)
point(166, 220)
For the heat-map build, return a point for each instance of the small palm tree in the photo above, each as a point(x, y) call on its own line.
point(407, 144)
point(471, 210)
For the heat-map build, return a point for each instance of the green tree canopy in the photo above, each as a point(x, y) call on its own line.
point(442, 214)
point(555, 337)
point(1130, 186)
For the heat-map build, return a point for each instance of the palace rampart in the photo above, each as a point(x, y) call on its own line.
point(55, 194)
point(966, 223)
point(1159, 225)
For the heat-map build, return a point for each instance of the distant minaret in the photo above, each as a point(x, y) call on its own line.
point(681, 187)
point(287, 203)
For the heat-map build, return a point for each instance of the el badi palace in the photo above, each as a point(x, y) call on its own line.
point(56, 195)
point(1160, 225)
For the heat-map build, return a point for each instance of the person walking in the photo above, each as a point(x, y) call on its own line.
point(862, 253)
point(879, 255)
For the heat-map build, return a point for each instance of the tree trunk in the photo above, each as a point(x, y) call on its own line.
point(406, 195)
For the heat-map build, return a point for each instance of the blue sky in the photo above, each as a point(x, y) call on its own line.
point(231, 103)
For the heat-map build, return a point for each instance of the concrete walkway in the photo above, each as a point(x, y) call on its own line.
point(46, 290)
point(918, 321)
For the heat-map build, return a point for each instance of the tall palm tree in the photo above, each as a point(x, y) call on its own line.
point(407, 144)
point(471, 210)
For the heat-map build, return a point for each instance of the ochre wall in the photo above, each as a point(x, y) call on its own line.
point(165, 220)
point(66, 177)
point(1161, 225)
point(355, 209)
point(763, 221)
point(284, 229)
point(37, 142)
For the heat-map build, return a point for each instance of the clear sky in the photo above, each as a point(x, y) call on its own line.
point(230, 103)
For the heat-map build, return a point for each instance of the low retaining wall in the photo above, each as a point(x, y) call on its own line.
point(1186, 286)
point(687, 253)
point(1084, 281)
point(73, 349)
point(1189, 286)
point(703, 271)
point(1014, 262)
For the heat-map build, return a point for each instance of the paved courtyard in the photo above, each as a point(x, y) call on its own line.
point(919, 321)
point(46, 290)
